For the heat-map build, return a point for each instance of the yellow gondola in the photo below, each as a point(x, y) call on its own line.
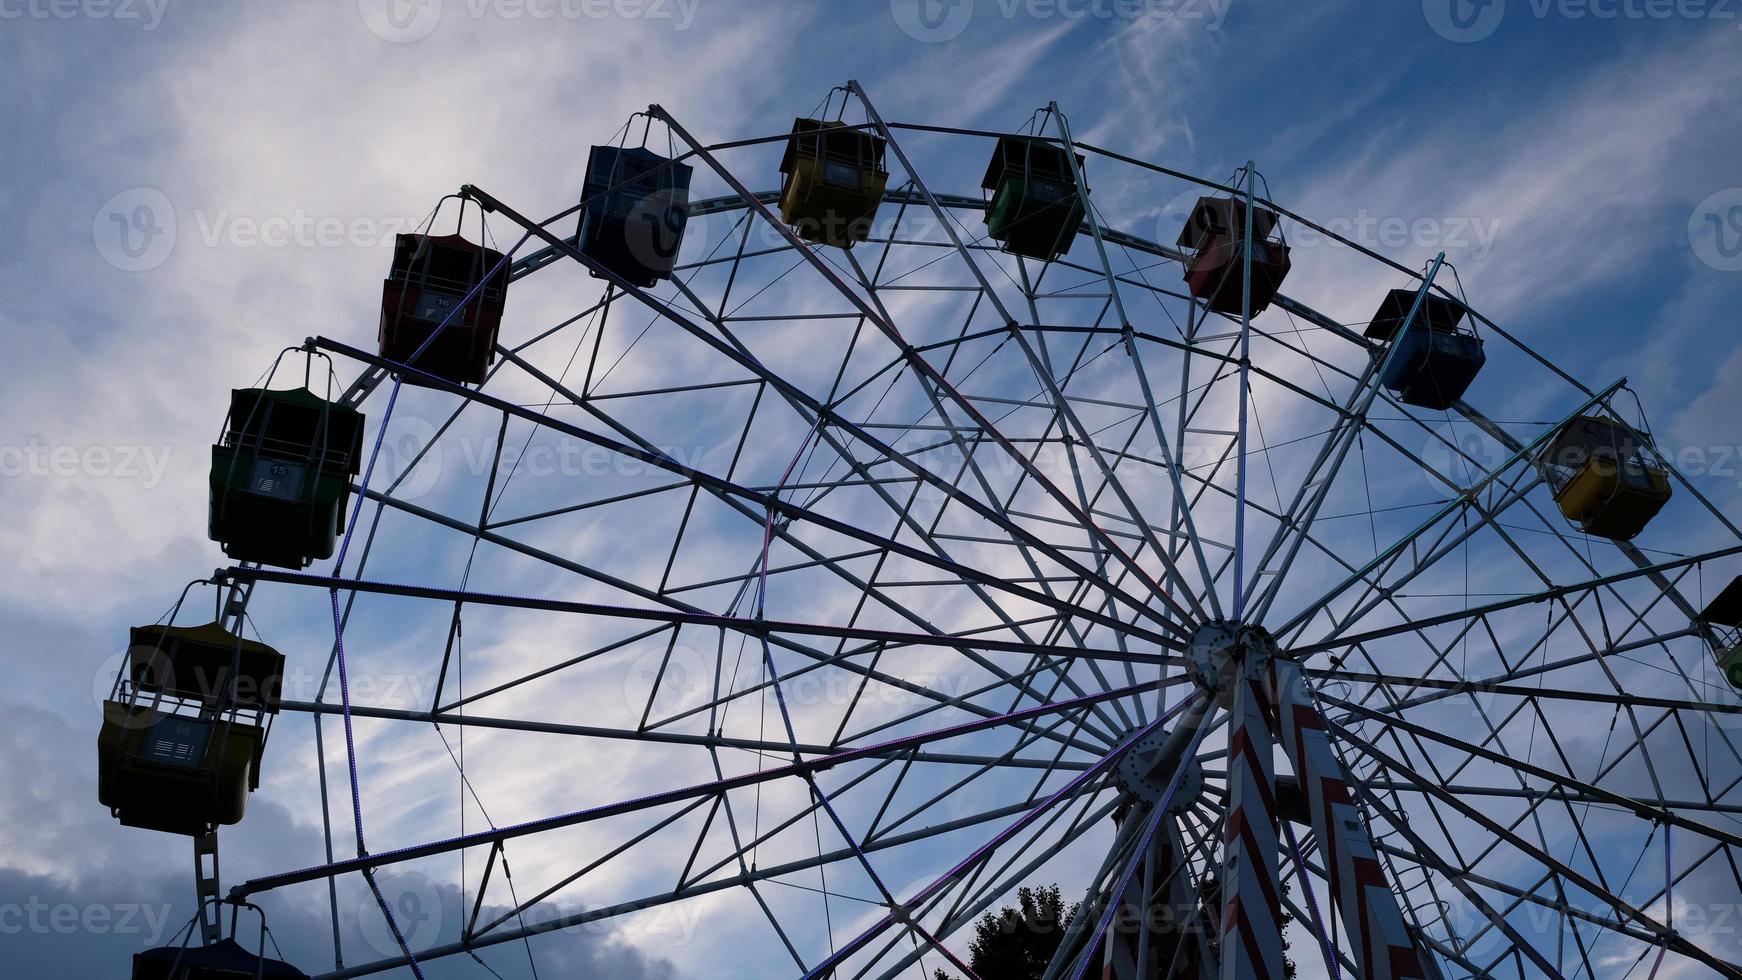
point(185, 728)
point(1604, 481)
point(832, 182)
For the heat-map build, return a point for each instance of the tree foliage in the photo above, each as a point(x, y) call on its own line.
point(1017, 942)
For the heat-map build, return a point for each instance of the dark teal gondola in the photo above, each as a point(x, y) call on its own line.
point(634, 207)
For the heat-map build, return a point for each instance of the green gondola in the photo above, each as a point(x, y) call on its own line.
point(1036, 206)
point(281, 476)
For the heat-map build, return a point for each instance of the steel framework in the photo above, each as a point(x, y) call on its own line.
point(915, 550)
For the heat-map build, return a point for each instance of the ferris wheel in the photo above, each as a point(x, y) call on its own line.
point(871, 519)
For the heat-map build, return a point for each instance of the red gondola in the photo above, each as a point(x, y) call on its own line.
point(429, 280)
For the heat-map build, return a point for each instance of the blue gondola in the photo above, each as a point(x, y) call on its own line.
point(1436, 359)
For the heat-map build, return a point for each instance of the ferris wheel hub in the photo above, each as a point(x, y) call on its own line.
point(1220, 648)
point(1148, 767)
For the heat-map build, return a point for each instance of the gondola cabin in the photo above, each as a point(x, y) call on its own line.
point(222, 960)
point(1214, 240)
point(429, 280)
point(185, 726)
point(1603, 479)
point(281, 476)
point(634, 208)
point(1036, 207)
point(832, 180)
point(1432, 363)
point(1723, 616)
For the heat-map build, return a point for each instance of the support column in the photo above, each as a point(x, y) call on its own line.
point(206, 887)
point(1161, 939)
point(1251, 895)
point(1372, 918)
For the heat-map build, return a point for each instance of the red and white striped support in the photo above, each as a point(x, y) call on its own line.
point(1371, 916)
point(1251, 900)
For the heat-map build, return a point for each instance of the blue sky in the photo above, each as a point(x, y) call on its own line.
point(1577, 161)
